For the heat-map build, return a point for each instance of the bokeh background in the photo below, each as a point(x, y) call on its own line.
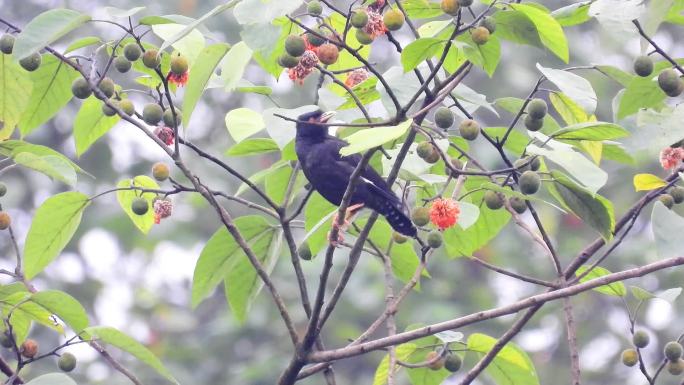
point(141, 284)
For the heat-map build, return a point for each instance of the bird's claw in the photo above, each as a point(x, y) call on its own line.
point(342, 228)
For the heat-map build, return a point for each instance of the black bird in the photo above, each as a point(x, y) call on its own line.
point(329, 173)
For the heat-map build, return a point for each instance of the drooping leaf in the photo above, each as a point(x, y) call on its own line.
point(420, 50)
point(55, 167)
point(19, 303)
point(615, 289)
point(64, 306)
point(592, 131)
point(91, 123)
point(570, 112)
point(550, 32)
point(125, 197)
point(15, 92)
point(575, 87)
point(12, 148)
point(54, 223)
point(46, 28)
point(234, 65)
point(202, 70)
point(369, 138)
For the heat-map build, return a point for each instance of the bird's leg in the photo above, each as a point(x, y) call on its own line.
point(348, 216)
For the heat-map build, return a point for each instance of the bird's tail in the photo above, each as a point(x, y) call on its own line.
point(397, 218)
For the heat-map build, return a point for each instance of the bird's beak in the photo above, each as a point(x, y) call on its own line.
point(327, 116)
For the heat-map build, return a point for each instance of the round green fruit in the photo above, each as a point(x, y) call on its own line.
point(537, 108)
point(152, 113)
point(529, 182)
point(425, 149)
point(673, 350)
point(132, 51)
point(3, 189)
point(363, 37)
point(288, 61)
point(66, 362)
point(316, 39)
point(107, 87)
point(168, 117)
point(140, 206)
point(179, 64)
point(667, 200)
point(630, 357)
point(533, 124)
point(668, 80)
point(151, 58)
point(489, 23)
point(434, 239)
point(304, 252)
point(314, 7)
point(480, 35)
point(450, 7)
point(31, 62)
point(127, 106)
point(469, 129)
point(359, 18)
point(81, 88)
point(677, 193)
point(518, 205)
point(295, 45)
point(535, 164)
point(399, 238)
point(640, 339)
point(420, 216)
point(394, 19)
point(643, 66)
point(7, 44)
point(107, 110)
point(6, 341)
point(444, 118)
point(493, 200)
point(122, 64)
point(452, 363)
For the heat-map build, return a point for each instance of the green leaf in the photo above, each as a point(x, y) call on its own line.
point(52, 379)
point(486, 56)
point(253, 146)
point(667, 228)
point(45, 29)
point(242, 283)
point(122, 13)
point(420, 50)
point(64, 306)
point(259, 176)
point(516, 141)
point(91, 123)
point(616, 152)
point(54, 223)
point(573, 86)
point(267, 41)
point(19, 304)
point(216, 258)
point(243, 123)
point(372, 137)
point(550, 32)
point(402, 352)
point(511, 365)
point(366, 92)
point(261, 90)
point(82, 43)
point(188, 29)
point(114, 337)
point(591, 208)
point(12, 148)
point(616, 289)
point(51, 92)
point(317, 221)
point(676, 13)
point(422, 9)
point(263, 11)
point(573, 14)
point(515, 26)
point(15, 92)
point(657, 130)
point(190, 45)
point(641, 93)
point(647, 182)
point(125, 197)
point(276, 183)
point(570, 112)
point(616, 74)
point(53, 166)
point(234, 65)
point(597, 131)
point(202, 70)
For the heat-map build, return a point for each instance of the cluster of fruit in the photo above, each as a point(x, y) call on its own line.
point(668, 80)
point(140, 205)
point(29, 63)
point(672, 352)
point(29, 349)
point(675, 195)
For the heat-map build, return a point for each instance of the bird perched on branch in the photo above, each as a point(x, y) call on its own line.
point(329, 173)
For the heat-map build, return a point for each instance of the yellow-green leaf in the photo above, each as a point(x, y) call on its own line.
point(125, 197)
point(647, 182)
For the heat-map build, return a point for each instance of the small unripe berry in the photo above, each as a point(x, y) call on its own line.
point(151, 58)
point(29, 348)
point(453, 363)
point(444, 118)
point(465, 3)
point(31, 62)
point(288, 61)
point(132, 51)
point(457, 165)
point(434, 239)
point(160, 171)
point(675, 368)
point(435, 365)
point(359, 18)
point(673, 350)
point(394, 19)
point(6, 341)
point(489, 23)
point(529, 182)
point(363, 37)
point(107, 87)
point(643, 66)
point(535, 164)
point(493, 200)
point(469, 129)
point(425, 149)
point(420, 216)
point(80, 88)
point(533, 124)
point(122, 64)
point(66, 362)
point(304, 252)
point(3, 189)
point(480, 35)
point(677, 91)
point(668, 80)
point(677, 193)
point(179, 64)
point(317, 39)
point(537, 108)
point(295, 45)
point(314, 7)
point(630, 357)
point(7, 44)
point(518, 205)
point(640, 339)
point(168, 117)
point(152, 113)
point(667, 200)
point(328, 53)
point(107, 110)
point(5, 220)
point(450, 7)
point(127, 106)
point(140, 206)
point(399, 238)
